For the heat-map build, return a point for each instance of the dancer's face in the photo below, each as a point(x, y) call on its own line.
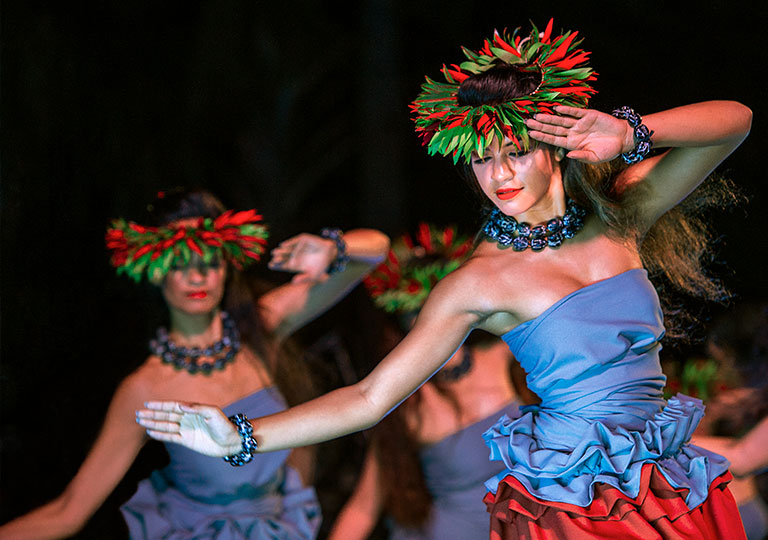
point(522, 185)
point(196, 288)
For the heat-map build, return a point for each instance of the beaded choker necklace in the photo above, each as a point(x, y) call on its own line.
point(507, 231)
point(455, 373)
point(219, 354)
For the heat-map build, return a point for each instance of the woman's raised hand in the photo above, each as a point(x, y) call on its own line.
point(308, 255)
point(202, 428)
point(587, 134)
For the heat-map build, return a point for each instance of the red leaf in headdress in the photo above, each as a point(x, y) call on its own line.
point(413, 286)
point(143, 250)
point(212, 242)
point(548, 32)
point(222, 219)
point(114, 234)
point(256, 239)
point(251, 254)
point(119, 258)
point(506, 46)
point(194, 247)
point(180, 233)
point(456, 122)
point(576, 58)
point(425, 237)
point(241, 218)
point(571, 89)
point(138, 228)
point(447, 236)
point(486, 122)
point(457, 74)
point(462, 249)
point(155, 255)
point(561, 50)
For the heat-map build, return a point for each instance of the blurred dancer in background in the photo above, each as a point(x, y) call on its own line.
point(224, 346)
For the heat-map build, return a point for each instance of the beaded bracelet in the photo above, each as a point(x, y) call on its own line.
point(642, 134)
point(245, 430)
point(341, 260)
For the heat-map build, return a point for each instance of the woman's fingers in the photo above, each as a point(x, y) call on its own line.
point(166, 406)
point(547, 138)
point(159, 425)
point(583, 155)
point(206, 411)
point(550, 120)
point(173, 411)
point(163, 436)
point(575, 112)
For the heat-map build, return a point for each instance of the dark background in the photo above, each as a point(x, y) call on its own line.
point(299, 109)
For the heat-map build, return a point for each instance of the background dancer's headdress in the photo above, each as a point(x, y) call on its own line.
point(237, 237)
point(447, 127)
point(412, 268)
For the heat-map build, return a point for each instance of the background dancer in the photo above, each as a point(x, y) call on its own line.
point(224, 344)
point(426, 464)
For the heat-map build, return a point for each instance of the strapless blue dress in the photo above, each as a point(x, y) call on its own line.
point(593, 358)
point(455, 469)
point(201, 497)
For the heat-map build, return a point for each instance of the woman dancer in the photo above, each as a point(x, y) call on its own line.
point(426, 464)
point(232, 358)
point(603, 455)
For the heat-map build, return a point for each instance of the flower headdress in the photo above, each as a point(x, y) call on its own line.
point(449, 128)
point(398, 284)
point(238, 237)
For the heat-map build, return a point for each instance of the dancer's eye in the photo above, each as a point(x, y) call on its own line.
point(481, 160)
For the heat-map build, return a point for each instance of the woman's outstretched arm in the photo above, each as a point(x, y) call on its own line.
point(699, 137)
point(105, 465)
point(447, 317)
point(361, 512)
point(312, 290)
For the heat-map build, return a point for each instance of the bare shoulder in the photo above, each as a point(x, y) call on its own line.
point(466, 288)
point(143, 384)
point(480, 287)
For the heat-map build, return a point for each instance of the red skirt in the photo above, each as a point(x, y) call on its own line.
point(658, 512)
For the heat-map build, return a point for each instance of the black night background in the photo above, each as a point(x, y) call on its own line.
point(300, 110)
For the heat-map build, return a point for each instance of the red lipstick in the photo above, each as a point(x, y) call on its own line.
point(197, 295)
point(507, 193)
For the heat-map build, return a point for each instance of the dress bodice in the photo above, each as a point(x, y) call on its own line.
point(455, 469)
point(203, 477)
point(595, 352)
point(198, 496)
point(593, 358)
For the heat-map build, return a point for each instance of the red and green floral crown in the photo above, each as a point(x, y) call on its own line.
point(238, 237)
point(449, 128)
point(398, 284)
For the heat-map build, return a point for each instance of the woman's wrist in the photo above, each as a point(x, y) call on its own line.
point(339, 263)
point(637, 140)
point(245, 451)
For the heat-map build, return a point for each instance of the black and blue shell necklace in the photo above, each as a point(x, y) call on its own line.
point(506, 230)
point(194, 359)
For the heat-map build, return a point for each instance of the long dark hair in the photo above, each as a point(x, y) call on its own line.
point(675, 248)
point(241, 298)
